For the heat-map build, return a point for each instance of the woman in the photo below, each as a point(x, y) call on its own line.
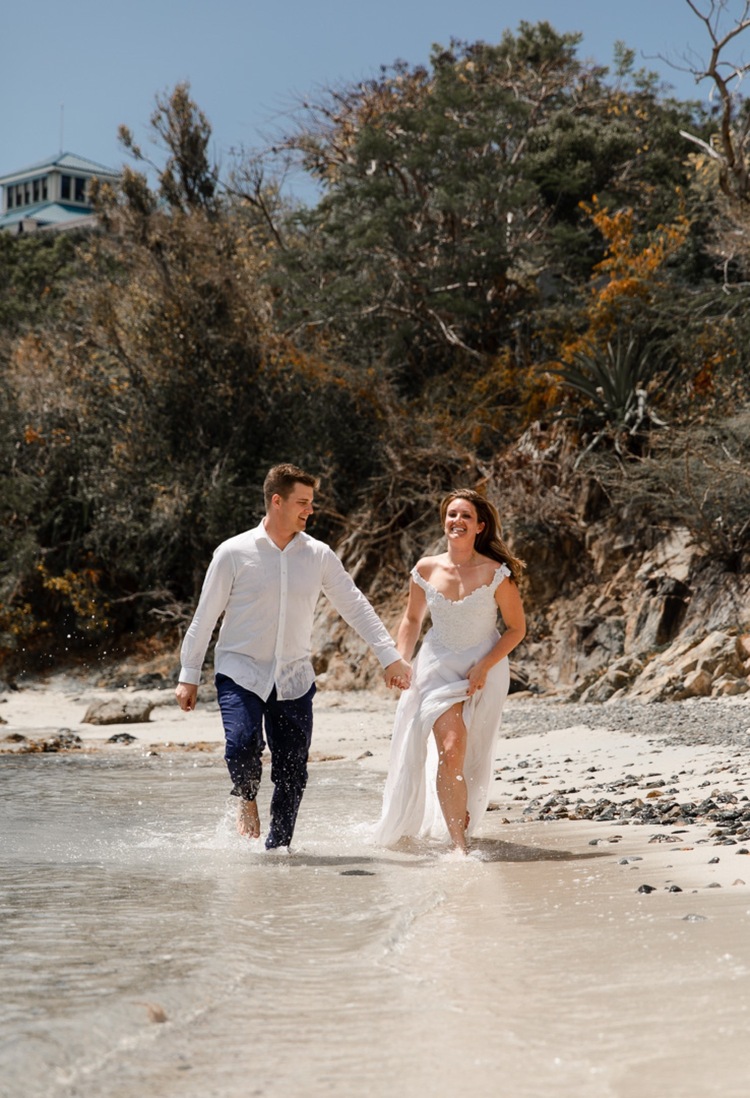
point(447, 723)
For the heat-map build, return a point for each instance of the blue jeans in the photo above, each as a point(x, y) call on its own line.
point(288, 730)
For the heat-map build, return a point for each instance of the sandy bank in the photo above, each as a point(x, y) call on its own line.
point(550, 769)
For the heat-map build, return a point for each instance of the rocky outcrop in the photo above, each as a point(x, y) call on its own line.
point(660, 625)
point(716, 666)
point(668, 626)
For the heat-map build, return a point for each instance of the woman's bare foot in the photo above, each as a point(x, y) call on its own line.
point(248, 820)
point(459, 848)
point(457, 852)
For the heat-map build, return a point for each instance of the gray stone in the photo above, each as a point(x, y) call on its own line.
point(119, 711)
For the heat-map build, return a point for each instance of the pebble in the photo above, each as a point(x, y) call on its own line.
point(711, 721)
point(646, 797)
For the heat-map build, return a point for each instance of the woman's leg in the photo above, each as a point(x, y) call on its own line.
point(450, 735)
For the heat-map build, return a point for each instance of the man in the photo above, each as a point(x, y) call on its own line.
point(266, 583)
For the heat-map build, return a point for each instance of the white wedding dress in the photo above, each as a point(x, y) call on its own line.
point(462, 631)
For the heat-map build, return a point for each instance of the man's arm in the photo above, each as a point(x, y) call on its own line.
point(217, 587)
point(357, 612)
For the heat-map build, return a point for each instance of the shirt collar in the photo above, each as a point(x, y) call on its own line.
point(261, 534)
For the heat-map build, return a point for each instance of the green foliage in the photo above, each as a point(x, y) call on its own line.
point(424, 174)
point(146, 417)
point(615, 383)
point(35, 271)
point(697, 478)
point(505, 207)
point(461, 184)
point(187, 181)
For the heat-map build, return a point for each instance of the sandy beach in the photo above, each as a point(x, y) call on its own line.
point(685, 761)
point(595, 956)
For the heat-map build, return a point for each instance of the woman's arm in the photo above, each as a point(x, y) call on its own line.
point(411, 623)
point(508, 599)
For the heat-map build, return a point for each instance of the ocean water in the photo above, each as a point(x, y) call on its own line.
point(147, 950)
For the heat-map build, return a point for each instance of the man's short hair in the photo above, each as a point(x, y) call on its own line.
point(281, 479)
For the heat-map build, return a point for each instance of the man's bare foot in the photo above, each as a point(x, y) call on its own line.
point(248, 820)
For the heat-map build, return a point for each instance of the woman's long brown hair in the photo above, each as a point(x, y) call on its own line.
point(489, 540)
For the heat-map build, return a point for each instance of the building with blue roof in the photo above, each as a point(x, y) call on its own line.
point(52, 195)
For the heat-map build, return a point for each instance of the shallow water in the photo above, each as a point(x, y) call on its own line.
point(338, 970)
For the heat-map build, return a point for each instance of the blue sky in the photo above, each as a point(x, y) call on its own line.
point(80, 69)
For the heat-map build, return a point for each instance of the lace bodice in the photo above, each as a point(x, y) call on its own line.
point(462, 623)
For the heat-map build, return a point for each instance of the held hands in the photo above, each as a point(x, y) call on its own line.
point(187, 695)
point(398, 674)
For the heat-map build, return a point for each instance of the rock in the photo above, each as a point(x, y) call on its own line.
point(697, 684)
point(119, 711)
point(152, 679)
point(592, 644)
point(618, 676)
point(660, 614)
point(717, 650)
point(728, 686)
point(519, 681)
point(63, 740)
point(122, 737)
point(688, 669)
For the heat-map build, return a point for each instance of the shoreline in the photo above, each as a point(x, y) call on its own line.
point(611, 778)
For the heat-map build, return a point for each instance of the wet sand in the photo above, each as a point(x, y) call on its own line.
point(570, 956)
point(584, 762)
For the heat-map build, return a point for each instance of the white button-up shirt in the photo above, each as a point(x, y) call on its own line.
point(267, 596)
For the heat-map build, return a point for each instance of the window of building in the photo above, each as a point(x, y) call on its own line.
point(65, 187)
point(9, 191)
point(36, 190)
point(80, 189)
point(44, 189)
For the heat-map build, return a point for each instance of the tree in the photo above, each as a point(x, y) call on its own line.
point(462, 186)
point(730, 151)
point(152, 409)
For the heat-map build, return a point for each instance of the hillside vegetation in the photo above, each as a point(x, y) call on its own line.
point(524, 272)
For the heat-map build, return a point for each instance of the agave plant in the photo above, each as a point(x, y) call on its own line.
point(614, 382)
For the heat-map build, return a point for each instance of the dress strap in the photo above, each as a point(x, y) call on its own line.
point(419, 580)
point(503, 572)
